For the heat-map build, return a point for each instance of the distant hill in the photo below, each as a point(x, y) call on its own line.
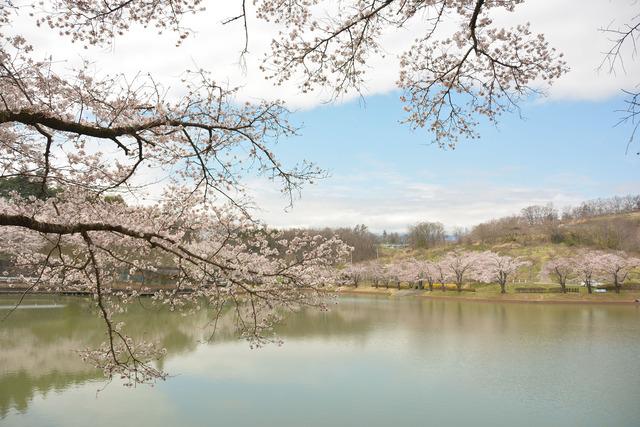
point(612, 224)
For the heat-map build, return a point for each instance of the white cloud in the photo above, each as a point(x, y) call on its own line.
point(392, 201)
point(570, 25)
point(573, 27)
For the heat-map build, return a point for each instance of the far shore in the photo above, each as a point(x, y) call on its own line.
point(625, 297)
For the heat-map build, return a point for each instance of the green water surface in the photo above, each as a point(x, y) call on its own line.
point(370, 361)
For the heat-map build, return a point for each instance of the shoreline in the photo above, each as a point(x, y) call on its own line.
point(611, 299)
point(624, 298)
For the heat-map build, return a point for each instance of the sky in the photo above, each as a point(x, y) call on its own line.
point(387, 176)
point(564, 150)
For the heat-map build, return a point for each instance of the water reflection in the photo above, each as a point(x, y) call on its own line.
point(421, 355)
point(38, 344)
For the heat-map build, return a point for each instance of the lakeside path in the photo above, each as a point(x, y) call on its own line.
point(625, 297)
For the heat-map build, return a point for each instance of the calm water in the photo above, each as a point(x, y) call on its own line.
point(370, 362)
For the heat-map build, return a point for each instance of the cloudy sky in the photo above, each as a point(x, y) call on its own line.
point(566, 149)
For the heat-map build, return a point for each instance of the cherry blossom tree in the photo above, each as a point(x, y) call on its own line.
point(90, 137)
point(416, 272)
point(406, 271)
point(491, 267)
point(430, 273)
point(397, 272)
point(624, 39)
point(450, 78)
point(420, 271)
point(355, 273)
point(460, 264)
point(587, 267)
point(561, 269)
point(374, 273)
point(426, 270)
point(616, 266)
point(412, 273)
point(442, 272)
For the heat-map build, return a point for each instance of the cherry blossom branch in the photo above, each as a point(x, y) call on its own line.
point(621, 37)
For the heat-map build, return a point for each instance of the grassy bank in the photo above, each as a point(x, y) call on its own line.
point(471, 292)
point(492, 293)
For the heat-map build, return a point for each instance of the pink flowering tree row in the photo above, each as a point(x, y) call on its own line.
point(456, 266)
point(589, 266)
point(460, 267)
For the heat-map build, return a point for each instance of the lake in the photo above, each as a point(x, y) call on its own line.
point(369, 361)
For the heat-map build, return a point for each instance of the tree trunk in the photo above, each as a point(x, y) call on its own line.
point(503, 287)
point(616, 283)
point(430, 286)
point(563, 286)
point(589, 290)
point(398, 284)
point(420, 284)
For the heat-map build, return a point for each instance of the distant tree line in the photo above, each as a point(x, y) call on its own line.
point(363, 241)
point(392, 238)
point(426, 235)
point(25, 187)
point(605, 206)
point(597, 223)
